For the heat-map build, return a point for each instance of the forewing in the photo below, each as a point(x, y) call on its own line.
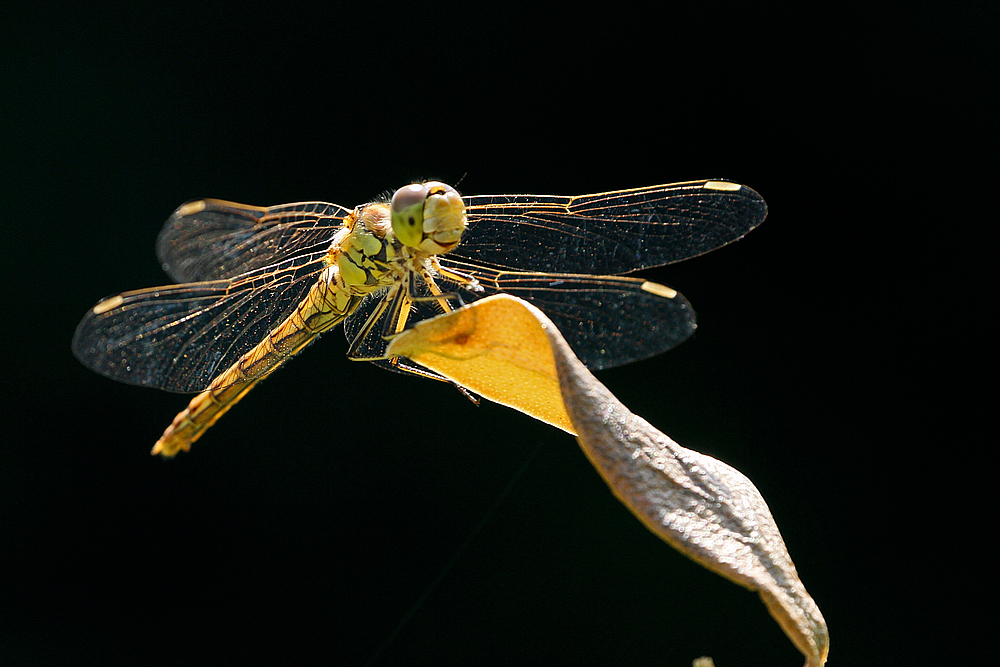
point(611, 232)
point(179, 337)
point(211, 239)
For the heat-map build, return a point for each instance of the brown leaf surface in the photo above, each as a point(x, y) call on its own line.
point(509, 352)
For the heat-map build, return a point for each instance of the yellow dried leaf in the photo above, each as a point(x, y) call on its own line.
point(496, 349)
point(508, 351)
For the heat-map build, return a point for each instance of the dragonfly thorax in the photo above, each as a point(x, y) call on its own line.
point(366, 253)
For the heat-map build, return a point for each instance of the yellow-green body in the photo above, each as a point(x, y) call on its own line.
point(364, 256)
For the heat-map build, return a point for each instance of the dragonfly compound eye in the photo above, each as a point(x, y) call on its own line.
point(408, 214)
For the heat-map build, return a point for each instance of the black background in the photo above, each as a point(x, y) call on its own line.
point(314, 518)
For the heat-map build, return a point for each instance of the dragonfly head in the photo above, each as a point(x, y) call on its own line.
point(428, 216)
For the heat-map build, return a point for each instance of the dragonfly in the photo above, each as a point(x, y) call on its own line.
point(256, 285)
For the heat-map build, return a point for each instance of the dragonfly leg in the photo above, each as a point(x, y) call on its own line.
point(400, 314)
point(397, 303)
point(467, 280)
point(393, 322)
point(393, 301)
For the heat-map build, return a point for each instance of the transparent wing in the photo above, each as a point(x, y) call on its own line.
point(607, 320)
point(211, 239)
point(179, 337)
point(608, 233)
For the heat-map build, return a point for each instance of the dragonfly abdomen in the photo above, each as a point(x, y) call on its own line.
point(325, 306)
point(359, 262)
